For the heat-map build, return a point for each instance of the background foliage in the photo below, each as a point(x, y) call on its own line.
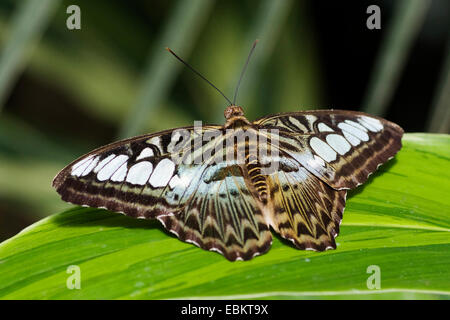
point(398, 222)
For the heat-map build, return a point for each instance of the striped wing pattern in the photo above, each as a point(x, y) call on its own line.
point(305, 210)
point(342, 148)
point(223, 216)
point(229, 207)
point(209, 205)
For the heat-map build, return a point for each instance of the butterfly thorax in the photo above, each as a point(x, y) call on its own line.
point(236, 120)
point(235, 117)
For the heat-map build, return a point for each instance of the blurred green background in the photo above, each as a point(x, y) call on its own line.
point(64, 92)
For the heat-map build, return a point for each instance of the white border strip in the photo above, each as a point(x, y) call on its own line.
point(310, 293)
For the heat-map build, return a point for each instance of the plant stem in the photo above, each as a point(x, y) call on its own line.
point(180, 32)
point(406, 22)
point(28, 24)
point(439, 120)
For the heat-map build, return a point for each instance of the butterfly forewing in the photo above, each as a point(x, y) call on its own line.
point(129, 176)
point(342, 148)
point(206, 203)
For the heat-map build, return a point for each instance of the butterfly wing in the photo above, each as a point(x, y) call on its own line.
point(342, 148)
point(305, 210)
point(321, 154)
point(223, 215)
point(201, 201)
point(117, 176)
point(215, 204)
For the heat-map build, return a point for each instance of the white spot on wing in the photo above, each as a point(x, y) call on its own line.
point(120, 174)
point(76, 167)
point(104, 162)
point(110, 168)
point(147, 152)
point(193, 242)
point(356, 125)
point(338, 143)
point(367, 125)
point(176, 181)
point(372, 124)
point(140, 172)
point(324, 128)
point(351, 138)
point(154, 140)
point(216, 250)
point(161, 220)
point(322, 149)
point(79, 167)
point(175, 136)
point(361, 135)
point(311, 118)
point(163, 173)
point(319, 160)
point(316, 162)
point(91, 166)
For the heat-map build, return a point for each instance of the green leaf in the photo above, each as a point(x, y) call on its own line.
point(398, 221)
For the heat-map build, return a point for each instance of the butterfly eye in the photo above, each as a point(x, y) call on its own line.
point(233, 111)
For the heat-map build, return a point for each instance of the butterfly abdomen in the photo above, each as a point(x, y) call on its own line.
point(258, 180)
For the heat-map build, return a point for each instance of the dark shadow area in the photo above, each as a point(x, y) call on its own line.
point(381, 170)
point(12, 217)
point(81, 217)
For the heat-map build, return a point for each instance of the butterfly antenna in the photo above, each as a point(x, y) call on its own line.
point(243, 70)
point(198, 73)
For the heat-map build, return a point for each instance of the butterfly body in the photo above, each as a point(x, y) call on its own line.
point(223, 187)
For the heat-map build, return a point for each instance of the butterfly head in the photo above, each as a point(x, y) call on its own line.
point(233, 111)
point(234, 115)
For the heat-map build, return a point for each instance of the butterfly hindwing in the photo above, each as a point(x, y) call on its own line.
point(305, 210)
point(342, 148)
point(223, 215)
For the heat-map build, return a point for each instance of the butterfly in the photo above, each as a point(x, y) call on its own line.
point(224, 187)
